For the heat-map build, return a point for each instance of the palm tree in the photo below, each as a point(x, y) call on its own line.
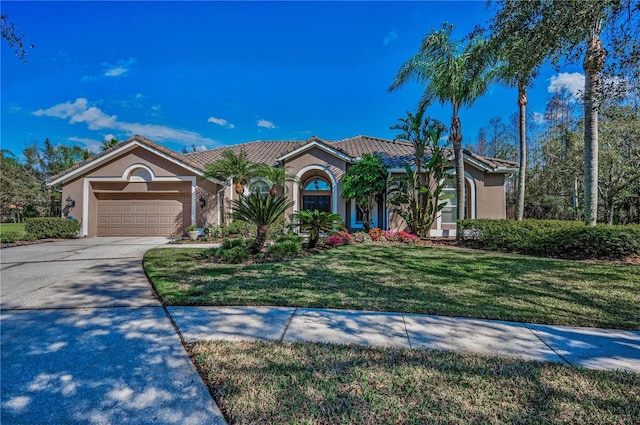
point(261, 210)
point(451, 75)
point(315, 222)
point(234, 166)
point(277, 176)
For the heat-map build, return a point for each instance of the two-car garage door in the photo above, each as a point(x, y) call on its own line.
point(142, 214)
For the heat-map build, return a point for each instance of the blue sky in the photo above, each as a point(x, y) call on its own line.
point(216, 73)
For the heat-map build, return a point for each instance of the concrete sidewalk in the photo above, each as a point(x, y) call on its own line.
point(585, 347)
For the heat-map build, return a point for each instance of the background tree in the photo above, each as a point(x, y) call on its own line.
point(451, 73)
point(262, 211)
point(108, 144)
point(416, 194)
point(364, 183)
point(572, 30)
point(16, 39)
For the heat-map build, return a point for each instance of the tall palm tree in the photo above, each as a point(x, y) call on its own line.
point(450, 74)
point(316, 222)
point(232, 165)
point(261, 210)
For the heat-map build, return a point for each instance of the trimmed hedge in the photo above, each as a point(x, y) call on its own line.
point(52, 227)
point(552, 238)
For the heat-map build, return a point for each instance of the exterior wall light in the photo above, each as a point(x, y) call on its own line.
point(70, 202)
point(203, 202)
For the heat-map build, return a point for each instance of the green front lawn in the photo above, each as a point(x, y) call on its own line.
point(11, 227)
point(268, 383)
point(412, 279)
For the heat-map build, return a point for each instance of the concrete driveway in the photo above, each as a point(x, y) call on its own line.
point(84, 339)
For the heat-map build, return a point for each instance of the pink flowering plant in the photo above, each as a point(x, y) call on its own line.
point(338, 239)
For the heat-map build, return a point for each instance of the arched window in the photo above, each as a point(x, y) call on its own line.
point(260, 186)
point(317, 183)
point(141, 175)
point(316, 195)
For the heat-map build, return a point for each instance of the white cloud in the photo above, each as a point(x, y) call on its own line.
point(391, 35)
point(120, 68)
point(80, 112)
point(221, 122)
point(90, 144)
point(538, 117)
point(109, 137)
point(266, 124)
point(573, 82)
point(63, 110)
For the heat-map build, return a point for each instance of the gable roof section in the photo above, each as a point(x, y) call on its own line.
point(120, 149)
point(266, 151)
point(316, 142)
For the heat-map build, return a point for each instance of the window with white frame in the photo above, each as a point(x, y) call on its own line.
point(260, 186)
point(450, 211)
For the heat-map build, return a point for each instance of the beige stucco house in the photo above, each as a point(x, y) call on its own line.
point(140, 188)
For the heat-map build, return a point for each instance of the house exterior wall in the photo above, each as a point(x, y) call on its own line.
point(168, 178)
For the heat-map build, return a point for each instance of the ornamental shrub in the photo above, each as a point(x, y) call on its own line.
point(375, 234)
point(52, 227)
point(553, 238)
point(10, 237)
point(333, 241)
point(235, 255)
point(284, 249)
point(361, 237)
point(289, 237)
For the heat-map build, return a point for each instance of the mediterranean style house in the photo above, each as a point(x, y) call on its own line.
point(140, 188)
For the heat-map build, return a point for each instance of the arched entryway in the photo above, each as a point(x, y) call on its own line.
point(316, 195)
point(315, 188)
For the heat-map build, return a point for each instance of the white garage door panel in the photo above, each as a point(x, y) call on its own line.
point(141, 214)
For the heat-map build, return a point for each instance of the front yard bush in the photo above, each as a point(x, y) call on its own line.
point(284, 249)
point(553, 238)
point(52, 227)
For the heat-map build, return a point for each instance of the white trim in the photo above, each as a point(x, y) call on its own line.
point(442, 233)
point(123, 178)
point(320, 146)
point(334, 186)
point(120, 151)
point(129, 170)
point(471, 195)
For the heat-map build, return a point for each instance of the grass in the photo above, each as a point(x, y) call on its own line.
point(11, 227)
point(412, 279)
point(268, 383)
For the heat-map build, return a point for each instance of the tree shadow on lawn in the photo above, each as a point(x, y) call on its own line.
point(335, 383)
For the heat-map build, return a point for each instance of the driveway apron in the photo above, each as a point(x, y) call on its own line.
point(84, 339)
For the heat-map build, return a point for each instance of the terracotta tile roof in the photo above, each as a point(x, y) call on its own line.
point(394, 153)
point(139, 139)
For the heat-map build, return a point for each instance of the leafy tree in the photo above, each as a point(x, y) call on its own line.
point(234, 166)
point(364, 182)
point(16, 39)
point(451, 74)
point(316, 222)
point(108, 144)
point(416, 194)
point(569, 30)
point(262, 211)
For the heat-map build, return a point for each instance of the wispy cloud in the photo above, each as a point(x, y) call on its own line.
point(391, 35)
point(266, 124)
point(120, 68)
point(79, 111)
point(221, 122)
point(90, 144)
point(573, 82)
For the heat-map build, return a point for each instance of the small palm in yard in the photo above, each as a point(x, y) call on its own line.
point(261, 210)
point(316, 222)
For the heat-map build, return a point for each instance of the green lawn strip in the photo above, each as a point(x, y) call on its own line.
point(11, 227)
point(262, 382)
point(412, 279)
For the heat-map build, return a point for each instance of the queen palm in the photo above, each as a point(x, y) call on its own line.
point(277, 176)
point(261, 210)
point(234, 166)
point(449, 73)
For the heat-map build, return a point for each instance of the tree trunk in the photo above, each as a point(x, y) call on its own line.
point(593, 65)
point(455, 136)
point(522, 170)
point(261, 237)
